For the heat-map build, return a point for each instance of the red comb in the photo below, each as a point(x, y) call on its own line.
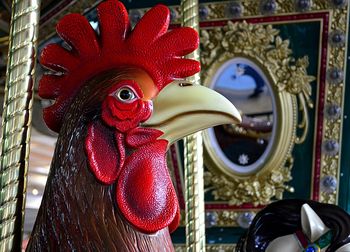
point(148, 46)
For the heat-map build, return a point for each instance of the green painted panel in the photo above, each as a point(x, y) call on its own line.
point(304, 40)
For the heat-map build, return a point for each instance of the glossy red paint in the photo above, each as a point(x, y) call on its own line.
point(145, 194)
point(141, 136)
point(99, 145)
point(125, 115)
point(148, 46)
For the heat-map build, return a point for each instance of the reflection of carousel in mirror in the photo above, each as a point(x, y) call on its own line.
point(244, 84)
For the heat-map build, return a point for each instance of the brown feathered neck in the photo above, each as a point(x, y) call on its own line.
point(78, 212)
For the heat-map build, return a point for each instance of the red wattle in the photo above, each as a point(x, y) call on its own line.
point(176, 221)
point(141, 136)
point(105, 158)
point(145, 193)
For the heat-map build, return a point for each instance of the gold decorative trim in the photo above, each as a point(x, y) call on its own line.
point(193, 152)
point(250, 8)
point(16, 121)
point(335, 94)
point(289, 82)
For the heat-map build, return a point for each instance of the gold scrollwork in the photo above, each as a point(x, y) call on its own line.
point(291, 90)
point(335, 94)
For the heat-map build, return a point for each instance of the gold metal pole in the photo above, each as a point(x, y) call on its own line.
point(16, 121)
point(194, 196)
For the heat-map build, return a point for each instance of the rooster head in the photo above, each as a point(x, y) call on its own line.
point(142, 112)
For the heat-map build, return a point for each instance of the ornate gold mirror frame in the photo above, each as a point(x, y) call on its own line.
point(291, 90)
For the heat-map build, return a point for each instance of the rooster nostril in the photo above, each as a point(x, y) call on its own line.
point(185, 84)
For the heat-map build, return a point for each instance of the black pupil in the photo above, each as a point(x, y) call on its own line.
point(125, 94)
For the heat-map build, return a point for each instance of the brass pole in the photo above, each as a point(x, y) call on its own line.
point(193, 147)
point(16, 121)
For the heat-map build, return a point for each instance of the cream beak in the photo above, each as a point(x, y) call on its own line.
point(181, 109)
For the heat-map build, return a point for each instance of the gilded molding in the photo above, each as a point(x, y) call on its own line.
point(330, 164)
point(193, 152)
point(16, 121)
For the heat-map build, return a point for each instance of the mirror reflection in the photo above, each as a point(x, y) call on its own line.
point(244, 148)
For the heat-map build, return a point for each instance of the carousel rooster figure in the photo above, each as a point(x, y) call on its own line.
point(119, 104)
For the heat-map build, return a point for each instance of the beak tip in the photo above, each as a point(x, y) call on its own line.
point(236, 116)
point(239, 119)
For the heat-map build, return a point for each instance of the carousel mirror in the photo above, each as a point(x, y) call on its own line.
point(243, 148)
point(253, 67)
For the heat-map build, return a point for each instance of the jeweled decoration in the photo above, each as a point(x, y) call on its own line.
point(245, 219)
point(337, 38)
point(328, 184)
point(268, 7)
point(331, 147)
point(211, 219)
point(333, 111)
point(339, 3)
point(234, 9)
point(303, 5)
point(335, 75)
point(203, 12)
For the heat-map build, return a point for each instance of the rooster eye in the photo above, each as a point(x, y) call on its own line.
point(126, 94)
